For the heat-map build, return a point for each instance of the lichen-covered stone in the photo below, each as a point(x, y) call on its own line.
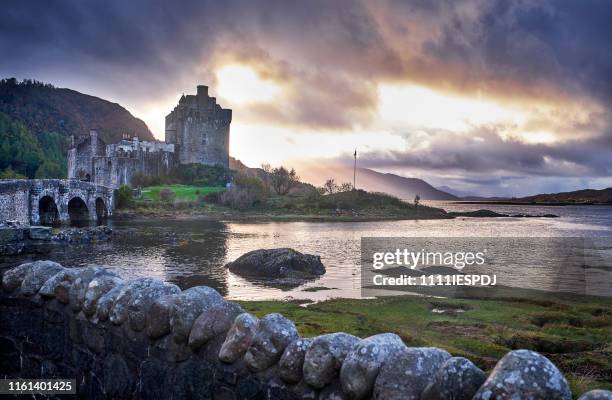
point(524, 374)
point(292, 361)
point(325, 356)
point(238, 338)
point(597, 394)
point(213, 322)
point(274, 333)
point(48, 289)
point(96, 288)
point(361, 366)
point(36, 277)
point(106, 301)
point(135, 300)
point(457, 379)
point(187, 306)
point(13, 278)
point(139, 308)
point(406, 374)
point(81, 282)
point(158, 319)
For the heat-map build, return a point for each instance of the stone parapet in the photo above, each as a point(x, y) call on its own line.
point(148, 339)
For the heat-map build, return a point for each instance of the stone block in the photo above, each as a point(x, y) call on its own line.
point(9, 234)
point(39, 233)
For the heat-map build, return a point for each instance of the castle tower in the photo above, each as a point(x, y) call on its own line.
point(199, 129)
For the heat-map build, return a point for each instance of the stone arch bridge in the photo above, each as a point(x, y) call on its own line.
point(54, 201)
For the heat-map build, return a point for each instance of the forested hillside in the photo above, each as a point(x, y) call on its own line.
point(37, 120)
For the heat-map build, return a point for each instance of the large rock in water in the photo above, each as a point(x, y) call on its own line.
point(524, 374)
point(277, 263)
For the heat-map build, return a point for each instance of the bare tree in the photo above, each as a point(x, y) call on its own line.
point(330, 186)
point(346, 187)
point(267, 169)
point(417, 200)
point(283, 180)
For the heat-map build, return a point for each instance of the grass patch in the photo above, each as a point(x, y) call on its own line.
point(351, 203)
point(356, 205)
point(487, 330)
point(182, 192)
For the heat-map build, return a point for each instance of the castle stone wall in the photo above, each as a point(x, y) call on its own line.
point(116, 164)
point(199, 129)
point(15, 201)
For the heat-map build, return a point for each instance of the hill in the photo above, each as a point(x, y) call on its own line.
point(37, 119)
point(373, 181)
point(585, 196)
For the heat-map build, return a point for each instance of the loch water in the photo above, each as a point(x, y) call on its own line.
point(194, 252)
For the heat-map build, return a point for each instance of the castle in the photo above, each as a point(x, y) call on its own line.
point(197, 131)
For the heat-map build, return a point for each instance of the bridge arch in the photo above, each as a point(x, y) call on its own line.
point(47, 211)
point(101, 209)
point(78, 213)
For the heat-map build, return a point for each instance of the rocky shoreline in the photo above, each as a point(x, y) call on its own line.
point(148, 339)
point(16, 239)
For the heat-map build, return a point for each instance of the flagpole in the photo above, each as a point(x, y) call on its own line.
point(355, 170)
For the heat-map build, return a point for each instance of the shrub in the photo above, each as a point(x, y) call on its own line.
point(330, 186)
point(145, 180)
point(245, 193)
point(251, 184)
point(199, 175)
point(187, 174)
point(212, 198)
point(239, 199)
point(283, 180)
point(313, 198)
point(167, 195)
point(124, 196)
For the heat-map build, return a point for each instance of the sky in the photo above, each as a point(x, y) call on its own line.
point(489, 97)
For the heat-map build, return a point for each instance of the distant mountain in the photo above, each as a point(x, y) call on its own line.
point(373, 181)
point(43, 108)
point(37, 119)
point(455, 192)
point(585, 196)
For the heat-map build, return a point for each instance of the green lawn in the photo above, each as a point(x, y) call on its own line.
point(183, 192)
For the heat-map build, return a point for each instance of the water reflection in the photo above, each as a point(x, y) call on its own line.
point(194, 252)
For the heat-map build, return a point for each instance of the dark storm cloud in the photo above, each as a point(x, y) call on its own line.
point(485, 152)
point(559, 44)
point(333, 54)
point(334, 51)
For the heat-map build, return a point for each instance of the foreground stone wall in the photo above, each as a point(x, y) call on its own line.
point(147, 339)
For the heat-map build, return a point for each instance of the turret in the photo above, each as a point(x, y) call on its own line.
point(202, 91)
point(93, 135)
